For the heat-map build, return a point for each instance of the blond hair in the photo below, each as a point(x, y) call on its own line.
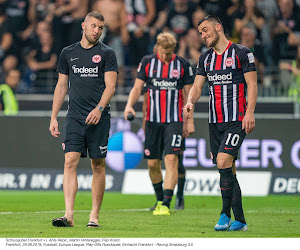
point(166, 40)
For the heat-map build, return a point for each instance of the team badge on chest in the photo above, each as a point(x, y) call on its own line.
point(96, 58)
point(175, 73)
point(229, 62)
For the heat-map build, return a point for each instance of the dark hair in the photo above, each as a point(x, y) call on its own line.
point(96, 15)
point(211, 18)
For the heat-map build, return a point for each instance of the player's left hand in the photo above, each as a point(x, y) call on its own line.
point(248, 123)
point(93, 117)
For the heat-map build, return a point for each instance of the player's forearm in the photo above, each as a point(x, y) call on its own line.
point(58, 100)
point(194, 95)
point(133, 96)
point(252, 97)
point(107, 94)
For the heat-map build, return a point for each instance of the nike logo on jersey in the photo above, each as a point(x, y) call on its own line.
point(227, 148)
point(176, 149)
point(73, 59)
point(207, 64)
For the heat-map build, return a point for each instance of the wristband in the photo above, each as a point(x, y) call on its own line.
point(100, 108)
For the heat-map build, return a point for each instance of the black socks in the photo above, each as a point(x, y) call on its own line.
point(237, 207)
point(158, 191)
point(226, 185)
point(180, 187)
point(168, 193)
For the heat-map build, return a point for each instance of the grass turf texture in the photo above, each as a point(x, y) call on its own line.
point(271, 216)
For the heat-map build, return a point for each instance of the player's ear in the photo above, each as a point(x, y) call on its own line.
point(218, 27)
point(83, 25)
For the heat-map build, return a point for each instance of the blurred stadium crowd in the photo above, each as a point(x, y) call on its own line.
point(33, 32)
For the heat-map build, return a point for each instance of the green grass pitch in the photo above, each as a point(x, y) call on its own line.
point(124, 216)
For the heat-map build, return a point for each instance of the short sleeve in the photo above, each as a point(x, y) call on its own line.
point(111, 63)
point(141, 71)
point(200, 70)
point(247, 60)
point(188, 77)
point(63, 66)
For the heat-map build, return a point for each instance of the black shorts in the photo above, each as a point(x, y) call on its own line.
point(162, 137)
point(225, 137)
point(80, 137)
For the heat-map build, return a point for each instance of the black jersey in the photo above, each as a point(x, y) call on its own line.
point(164, 87)
point(227, 85)
point(86, 68)
point(17, 11)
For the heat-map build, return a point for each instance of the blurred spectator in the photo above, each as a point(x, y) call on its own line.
point(139, 15)
point(179, 19)
point(270, 11)
point(114, 16)
point(217, 8)
point(66, 17)
point(5, 36)
point(161, 13)
point(294, 67)
point(42, 62)
point(42, 9)
point(191, 45)
point(10, 62)
point(21, 18)
point(41, 27)
point(232, 8)
point(249, 15)
point(287, 24)
point(8, 102)
point(248, 39)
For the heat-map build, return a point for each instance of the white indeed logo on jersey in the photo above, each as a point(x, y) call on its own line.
point(85, 72)
point(164, 84)
point(224, 78)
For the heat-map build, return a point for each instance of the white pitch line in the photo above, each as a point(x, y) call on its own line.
point(78, 211)
point(147, 210)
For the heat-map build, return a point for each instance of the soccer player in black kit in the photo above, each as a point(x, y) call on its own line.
point(230, 71)
point(88, 69)
point(166, 76)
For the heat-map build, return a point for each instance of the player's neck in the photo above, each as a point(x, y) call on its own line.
point(221, 45)
point(86, 44)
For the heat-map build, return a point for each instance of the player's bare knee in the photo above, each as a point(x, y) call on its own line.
point(70, 166)
point(70, 163)
point(224, 162)
point(98, 165)
point(153, 164)
point(171, 159)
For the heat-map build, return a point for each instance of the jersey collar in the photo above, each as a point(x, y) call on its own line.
point(229, 44)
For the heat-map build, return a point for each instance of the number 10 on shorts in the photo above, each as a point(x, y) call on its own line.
point(234, 139)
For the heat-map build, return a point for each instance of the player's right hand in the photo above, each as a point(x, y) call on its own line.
point(187, 108)
point(127, 111)
point(53, 128)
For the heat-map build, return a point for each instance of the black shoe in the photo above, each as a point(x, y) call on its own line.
point(179, 205)
point(153, 208)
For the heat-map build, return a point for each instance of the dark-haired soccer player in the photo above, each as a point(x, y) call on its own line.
point(166, 75)
point(230, 71)
point(88, 69)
